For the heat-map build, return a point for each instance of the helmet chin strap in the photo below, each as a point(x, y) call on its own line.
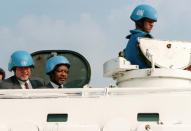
point(52, 78)
point(140, 25)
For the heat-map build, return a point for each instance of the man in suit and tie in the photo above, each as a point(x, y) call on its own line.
point(21, 63)
point(57, 68)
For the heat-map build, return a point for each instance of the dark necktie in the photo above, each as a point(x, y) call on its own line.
point(26, 85)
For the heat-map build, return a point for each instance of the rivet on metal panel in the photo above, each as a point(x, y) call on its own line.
point(168, 45)
point(111, 86)
point(149, 72)
point(159, 122)
point(147, 127)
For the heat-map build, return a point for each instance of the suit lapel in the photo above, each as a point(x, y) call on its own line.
point(33, 84)
point(15, 82)
point(49, 85)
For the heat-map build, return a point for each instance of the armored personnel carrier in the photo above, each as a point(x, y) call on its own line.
point(153, 99)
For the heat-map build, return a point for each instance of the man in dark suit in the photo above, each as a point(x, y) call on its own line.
point(57, 68)
point(21, 63)
point(2, 74)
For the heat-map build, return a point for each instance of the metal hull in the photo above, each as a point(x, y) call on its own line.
point(96, 111)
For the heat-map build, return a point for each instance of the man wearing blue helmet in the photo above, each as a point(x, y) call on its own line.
point(144, 17)
point(21, 63)
point(57, 68)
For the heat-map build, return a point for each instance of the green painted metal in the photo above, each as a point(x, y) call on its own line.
point(148, 117)
point(57, 117)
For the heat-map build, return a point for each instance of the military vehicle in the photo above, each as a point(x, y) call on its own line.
point(153, 99)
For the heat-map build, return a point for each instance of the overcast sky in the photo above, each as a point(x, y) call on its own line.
point(93, 28)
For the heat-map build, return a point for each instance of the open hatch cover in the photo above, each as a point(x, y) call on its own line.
point(79, 72)
point(166, 54)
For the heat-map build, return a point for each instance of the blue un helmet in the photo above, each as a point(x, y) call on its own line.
point(20, 59)
point(144, 11)
point(54, 61)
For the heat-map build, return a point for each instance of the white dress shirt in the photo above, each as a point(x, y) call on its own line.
point(22, 83)
point(55, 85)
